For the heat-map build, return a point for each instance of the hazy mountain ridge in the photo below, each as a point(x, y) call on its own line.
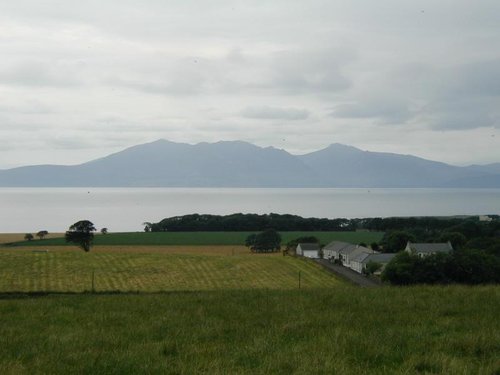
point(240, 164)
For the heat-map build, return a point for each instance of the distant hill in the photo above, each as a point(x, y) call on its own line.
point(240, 164)
point(345, 166)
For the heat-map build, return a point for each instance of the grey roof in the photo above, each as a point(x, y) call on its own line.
point(309, 246)
point(360, 257)
point(430, 247)
point(353, 250)
point(337, 245)
point(379, 258)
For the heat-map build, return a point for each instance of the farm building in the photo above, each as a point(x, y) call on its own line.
point(359, 263)
point(424, 249)
point(308, 250)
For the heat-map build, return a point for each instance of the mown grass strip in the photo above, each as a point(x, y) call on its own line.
point(24, 271)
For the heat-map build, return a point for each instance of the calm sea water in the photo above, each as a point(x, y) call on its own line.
point(125, 209)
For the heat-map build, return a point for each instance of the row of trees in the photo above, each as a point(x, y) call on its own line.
point(41, 235)
point(246, 222)
point(80, 233)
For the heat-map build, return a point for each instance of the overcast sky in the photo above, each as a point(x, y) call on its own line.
point(82, 79)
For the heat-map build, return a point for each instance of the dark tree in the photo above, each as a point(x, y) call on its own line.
point(28, 237)
point(250, 240)
point(82, 234)
point(104, 231)
point(267, 241)
point(456, 239)
point(397, 240)
point(41, 234)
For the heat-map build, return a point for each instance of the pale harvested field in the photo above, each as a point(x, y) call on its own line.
point(146, 249)
point(151, 269)
point(15, 237)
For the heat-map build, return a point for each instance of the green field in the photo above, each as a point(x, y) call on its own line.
point(342, 330)
point(73, 271)
point(224, 310)
point(206, 238)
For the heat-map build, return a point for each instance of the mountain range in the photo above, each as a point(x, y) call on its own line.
point(240, 164)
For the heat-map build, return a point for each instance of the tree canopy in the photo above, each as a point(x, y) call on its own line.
point(41, 234)
point(82, 234)
point(466, 266)
point(264, 242)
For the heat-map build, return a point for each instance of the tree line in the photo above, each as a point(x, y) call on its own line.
point(246, 223)
point(238, 222)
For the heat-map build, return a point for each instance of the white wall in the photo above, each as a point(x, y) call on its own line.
point(310, 253)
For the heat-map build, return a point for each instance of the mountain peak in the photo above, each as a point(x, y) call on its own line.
point(342, 147)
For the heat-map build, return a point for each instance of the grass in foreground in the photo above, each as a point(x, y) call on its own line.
point(420, 330)
point(206, 238)
point(67, 270)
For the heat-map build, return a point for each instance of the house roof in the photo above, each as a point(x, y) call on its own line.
point(353, 250)
point(430, 247)
point(360, 257)
point(337, 245)
point(309, 246)
point(379, 258)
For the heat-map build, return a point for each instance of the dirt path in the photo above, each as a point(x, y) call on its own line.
point(348, 274)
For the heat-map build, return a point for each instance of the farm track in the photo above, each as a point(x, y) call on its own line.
point(348, 274)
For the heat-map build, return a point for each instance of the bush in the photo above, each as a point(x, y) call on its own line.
point(372, 267)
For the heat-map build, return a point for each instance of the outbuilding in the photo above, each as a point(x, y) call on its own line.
point(308, 250)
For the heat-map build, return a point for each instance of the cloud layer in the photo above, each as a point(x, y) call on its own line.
point(80, 80)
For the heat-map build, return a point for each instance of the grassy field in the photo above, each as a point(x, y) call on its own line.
point(342, 330)
point(154, 269)
point(205, 238)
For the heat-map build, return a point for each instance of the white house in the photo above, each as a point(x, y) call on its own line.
point(348, 254)
point(332, 250)
point(425, 249)
point(308, 250)
point(357, 262)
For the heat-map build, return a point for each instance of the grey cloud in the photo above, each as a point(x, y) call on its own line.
point(274, 113)
point(310, 71)
point(467, 96)
point(458, 97)
point(27, 107)
point(478, 79)
point(387, 111)
point(461, 113)
point(39, 74)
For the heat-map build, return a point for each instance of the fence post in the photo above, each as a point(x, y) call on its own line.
point(299, 279)
point(93, 276)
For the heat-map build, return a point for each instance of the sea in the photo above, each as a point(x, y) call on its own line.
point(24, 210)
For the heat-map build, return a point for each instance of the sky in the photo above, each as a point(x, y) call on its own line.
point(80, 80)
